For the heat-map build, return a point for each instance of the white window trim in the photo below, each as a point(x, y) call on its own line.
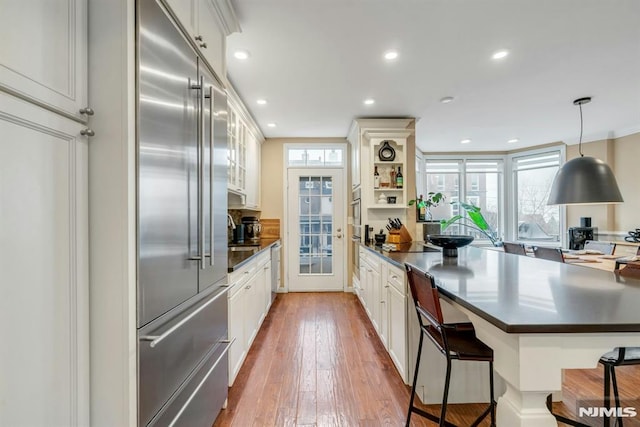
point(511, 233)
point(462, 184)
point(314, 146)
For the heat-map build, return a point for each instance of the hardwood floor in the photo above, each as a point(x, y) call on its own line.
point(317, 361)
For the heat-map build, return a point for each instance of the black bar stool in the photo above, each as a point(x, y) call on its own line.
point(456, 341)
point(514, 248)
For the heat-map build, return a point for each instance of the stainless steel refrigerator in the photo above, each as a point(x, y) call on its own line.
point(182, 235)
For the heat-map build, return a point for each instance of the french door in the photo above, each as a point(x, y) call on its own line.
point(315, 230)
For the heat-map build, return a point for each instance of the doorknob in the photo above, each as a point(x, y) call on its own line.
point(339, 236)
point(339, 230)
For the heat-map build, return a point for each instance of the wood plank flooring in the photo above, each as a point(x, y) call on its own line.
point(317, 361)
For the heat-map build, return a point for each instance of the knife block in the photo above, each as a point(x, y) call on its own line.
point(399, 236)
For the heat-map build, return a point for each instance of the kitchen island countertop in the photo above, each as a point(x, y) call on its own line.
point(520, 294)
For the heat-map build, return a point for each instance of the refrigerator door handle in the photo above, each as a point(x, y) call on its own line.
point(201, 133)
point(211, 179)
point(156, 339)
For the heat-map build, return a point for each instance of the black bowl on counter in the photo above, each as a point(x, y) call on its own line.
point(450, 242)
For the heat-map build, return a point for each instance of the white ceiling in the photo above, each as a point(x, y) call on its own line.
point(315, 61)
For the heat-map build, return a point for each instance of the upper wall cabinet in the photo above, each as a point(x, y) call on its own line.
point(207, 22)
point(43, 56)
point(243, 156)
point(354, 141)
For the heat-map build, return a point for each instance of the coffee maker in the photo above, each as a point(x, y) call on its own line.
point(252, 228)
point(579, 235)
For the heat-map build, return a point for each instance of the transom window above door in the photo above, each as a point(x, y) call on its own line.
point(324, 156)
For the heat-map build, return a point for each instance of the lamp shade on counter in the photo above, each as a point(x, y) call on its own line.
point(584, 180)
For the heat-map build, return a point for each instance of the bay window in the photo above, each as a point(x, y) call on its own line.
point(511, 190)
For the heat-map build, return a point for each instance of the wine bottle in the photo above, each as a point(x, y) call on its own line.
point(399, 178)
point(422, 209)
point(376, 178)
point(392, 178)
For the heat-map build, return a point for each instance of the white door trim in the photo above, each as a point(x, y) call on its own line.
point(285, 192)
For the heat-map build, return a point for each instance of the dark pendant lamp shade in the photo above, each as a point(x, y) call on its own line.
point(584, 180)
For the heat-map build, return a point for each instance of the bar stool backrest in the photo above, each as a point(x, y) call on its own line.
point(605, 247)
point(427, 303)
point(514, 248)
point(551, 254)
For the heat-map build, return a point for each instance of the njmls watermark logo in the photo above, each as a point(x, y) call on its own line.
point(596, 409)
point(601, 412)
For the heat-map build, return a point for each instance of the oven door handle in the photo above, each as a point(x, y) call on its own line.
point(355, 238)
point(355, 202)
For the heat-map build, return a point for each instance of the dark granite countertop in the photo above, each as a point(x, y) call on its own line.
point(520, 294)
point(237, 259)
point(413, 247)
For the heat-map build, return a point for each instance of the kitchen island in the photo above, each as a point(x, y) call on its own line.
point(539, 316)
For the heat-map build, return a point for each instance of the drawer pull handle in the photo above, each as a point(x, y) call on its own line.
point(156, 339)
point(393, 276)
point(197, 389)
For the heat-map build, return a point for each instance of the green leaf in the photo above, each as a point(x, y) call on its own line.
point(412, 202)
point(446, 223)
point(476, 216)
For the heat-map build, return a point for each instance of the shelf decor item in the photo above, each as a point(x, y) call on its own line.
point(424, 205)
point(386, 153)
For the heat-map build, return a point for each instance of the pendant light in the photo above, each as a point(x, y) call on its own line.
point(584, 180)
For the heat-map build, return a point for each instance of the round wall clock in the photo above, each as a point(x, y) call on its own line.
point(386, 153)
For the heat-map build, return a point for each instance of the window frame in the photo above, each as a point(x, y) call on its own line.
point(512, 226)
point(463, 159)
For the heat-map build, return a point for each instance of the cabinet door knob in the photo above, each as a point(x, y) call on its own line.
point(87, 111)
point(198, 38)
point(203, 45)
point(87, 132)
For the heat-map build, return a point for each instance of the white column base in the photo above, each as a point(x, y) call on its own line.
point(524, 409)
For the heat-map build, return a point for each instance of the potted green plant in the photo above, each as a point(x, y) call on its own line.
point(433, 199)
point(480, 224)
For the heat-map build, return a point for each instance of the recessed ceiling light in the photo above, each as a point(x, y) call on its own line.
point(390, 55)
point(465, 141)
point(500, 54)
point(271, 125)
point(241, 54)
point(446, 99)
point(511, 141)
point(369, 101)
point(261, 102)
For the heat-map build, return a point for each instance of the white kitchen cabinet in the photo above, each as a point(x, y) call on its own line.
point(43, 56)
point(367, 136)
point(238, 350)
point(243, 156)
point(212, 37)
point(253, 171)
point(201, 20)
point(44, 297)
point(384, 297)
point(354, 141)
point(249, 302)
point(397, 329)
